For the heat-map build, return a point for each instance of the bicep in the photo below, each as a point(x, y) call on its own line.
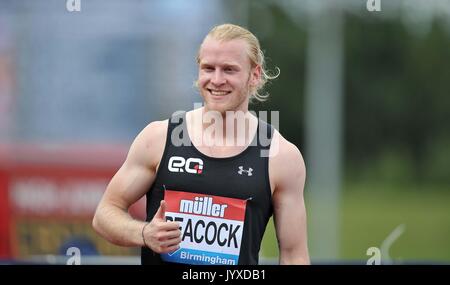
point(128, 185)
point(136, 175)
point(290, 216)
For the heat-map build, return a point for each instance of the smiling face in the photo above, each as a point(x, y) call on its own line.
point(226, 75)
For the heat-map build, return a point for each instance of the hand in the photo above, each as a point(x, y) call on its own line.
point(162, 236)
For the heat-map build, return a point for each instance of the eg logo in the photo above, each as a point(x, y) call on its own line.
point(190, 165)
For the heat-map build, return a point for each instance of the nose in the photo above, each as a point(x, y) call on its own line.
point(218, 78)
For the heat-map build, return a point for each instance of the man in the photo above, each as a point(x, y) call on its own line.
point(208, 202)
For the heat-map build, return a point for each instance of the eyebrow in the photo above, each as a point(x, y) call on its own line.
point(226, 64)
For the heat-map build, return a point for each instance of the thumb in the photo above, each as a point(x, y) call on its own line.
point(161, 213)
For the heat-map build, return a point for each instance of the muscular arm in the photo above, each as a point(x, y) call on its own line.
point(129, 184)
point(288, 172)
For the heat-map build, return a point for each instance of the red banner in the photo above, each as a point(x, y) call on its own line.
point(48, 196)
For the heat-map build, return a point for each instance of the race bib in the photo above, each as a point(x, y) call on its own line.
point(211, 228)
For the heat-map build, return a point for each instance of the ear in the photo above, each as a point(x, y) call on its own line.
point(255, 75)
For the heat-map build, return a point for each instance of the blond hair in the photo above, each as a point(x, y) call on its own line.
point(228, 32)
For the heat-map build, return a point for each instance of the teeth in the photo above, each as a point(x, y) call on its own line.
point(219, 93)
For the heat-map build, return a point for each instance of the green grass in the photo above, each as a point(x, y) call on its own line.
point(370, 213)
point(269, 247)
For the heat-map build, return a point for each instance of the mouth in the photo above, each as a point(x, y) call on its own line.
point(218, 93)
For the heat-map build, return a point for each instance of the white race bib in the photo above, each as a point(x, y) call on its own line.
point(211, 227)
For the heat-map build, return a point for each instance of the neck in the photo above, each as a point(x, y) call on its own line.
point(231, 128)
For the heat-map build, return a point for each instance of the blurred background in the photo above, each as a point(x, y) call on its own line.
point(363, 93)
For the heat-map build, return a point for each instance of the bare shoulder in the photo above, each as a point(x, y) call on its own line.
point(286, 162)
point(148, 146)
point(155, 132)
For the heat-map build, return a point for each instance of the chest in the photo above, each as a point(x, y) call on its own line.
point(243, 176)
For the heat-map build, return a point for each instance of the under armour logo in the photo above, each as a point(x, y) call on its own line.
point(242, 170)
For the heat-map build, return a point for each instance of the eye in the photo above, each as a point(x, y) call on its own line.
point(208, 68)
